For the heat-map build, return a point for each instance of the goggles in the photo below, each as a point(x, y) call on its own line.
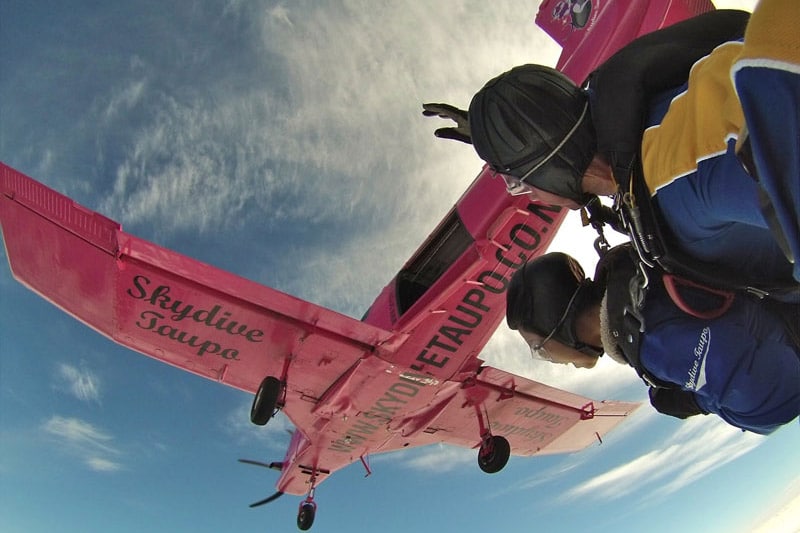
point(516, 186)
point(538, 351)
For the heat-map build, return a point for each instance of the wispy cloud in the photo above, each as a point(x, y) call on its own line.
point(125, 99)
point(440, 458)
point(781, 517)
point(281, 15)
point(99, 464)
point(319, 126)
point(93, 445)
point(575, 463)
point(274, 436)
point(79, 432)
point(81, 383)
point(701, 445)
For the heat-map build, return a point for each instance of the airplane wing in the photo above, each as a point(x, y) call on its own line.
point(535, 418)
point(169, 306)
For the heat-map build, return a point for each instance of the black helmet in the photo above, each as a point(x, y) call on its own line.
point(545, 296)
point(533, 122)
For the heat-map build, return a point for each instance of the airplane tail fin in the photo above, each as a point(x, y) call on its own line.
point(582, 27)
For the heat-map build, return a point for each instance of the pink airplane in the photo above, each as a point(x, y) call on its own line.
point(408, 374)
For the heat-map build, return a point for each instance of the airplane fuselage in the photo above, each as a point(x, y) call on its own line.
point(393, 398)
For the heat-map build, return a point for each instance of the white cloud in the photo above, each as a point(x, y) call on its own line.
point(441, 458)
point(576, 462)
point(331, 133)
point(281, 15)
point(124, 99)
point(358, 74)
point(99, 464)
point(783, 516)
point(81, 383)
point(701, 445)
point(92, 444)
point(275, 435)
point(80, 432)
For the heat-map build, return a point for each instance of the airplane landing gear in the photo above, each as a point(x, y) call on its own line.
point(269, 399)
point(494, 453)
point(308, 508)
point(305, 516)
point(494, 450)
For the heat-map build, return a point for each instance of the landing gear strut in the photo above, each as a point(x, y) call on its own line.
point(308, 508)
point(495, 450)
point(269, 399)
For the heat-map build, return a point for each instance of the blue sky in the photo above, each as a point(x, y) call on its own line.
point(283, 141)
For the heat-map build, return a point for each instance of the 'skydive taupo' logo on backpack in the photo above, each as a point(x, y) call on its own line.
point(697, 373)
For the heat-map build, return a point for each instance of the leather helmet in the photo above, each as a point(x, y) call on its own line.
point(533, 122)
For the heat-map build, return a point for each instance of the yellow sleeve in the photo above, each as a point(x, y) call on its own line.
point(773, 32)
point(699, 122)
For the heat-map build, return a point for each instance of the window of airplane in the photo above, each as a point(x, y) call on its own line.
point(441, 249)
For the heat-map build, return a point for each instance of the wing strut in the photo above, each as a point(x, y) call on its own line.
point(365, 462)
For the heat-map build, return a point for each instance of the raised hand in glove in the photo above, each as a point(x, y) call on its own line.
point(460, 132)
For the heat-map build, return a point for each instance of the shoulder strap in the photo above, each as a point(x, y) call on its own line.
point(627, 283)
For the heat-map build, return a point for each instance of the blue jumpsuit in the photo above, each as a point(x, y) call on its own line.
point(741, 366)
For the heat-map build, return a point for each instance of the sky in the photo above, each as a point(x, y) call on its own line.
point(284, 141)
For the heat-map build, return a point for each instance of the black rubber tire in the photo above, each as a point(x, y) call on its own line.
point(496, 459)
point(305, 518)
point(265, 401)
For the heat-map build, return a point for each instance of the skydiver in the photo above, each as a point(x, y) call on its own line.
point(742, 365)
point(714, 165)
point(563, 145)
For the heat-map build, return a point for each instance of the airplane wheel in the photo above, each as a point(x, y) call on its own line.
point(495, 458)
point(265, 401)
point(305, 518)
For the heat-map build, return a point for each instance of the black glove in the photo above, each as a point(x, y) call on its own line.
point(675, 402)
point(459, 116)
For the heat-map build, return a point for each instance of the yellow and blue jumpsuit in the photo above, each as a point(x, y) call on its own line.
point(709, 201)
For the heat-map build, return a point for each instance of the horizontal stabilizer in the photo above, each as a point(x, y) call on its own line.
point(589, 32)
